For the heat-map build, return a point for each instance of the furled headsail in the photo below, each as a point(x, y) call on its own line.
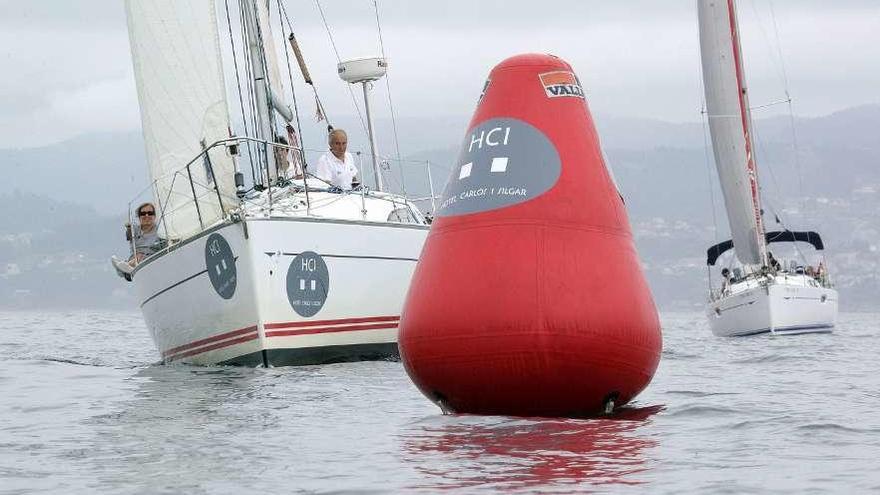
point(175, 48)
point(727, 106)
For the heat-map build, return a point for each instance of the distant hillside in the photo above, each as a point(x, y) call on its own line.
point(55, 254)
point(103, 171)
point(65, 218)
point(108, 170)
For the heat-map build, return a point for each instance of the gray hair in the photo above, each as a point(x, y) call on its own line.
point(335, 131)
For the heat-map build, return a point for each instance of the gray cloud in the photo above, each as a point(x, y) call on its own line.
point(67, 65)
point(461, 14)
point(85, 15)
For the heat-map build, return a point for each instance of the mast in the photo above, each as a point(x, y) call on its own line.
point(730, 126)
point(374, 152)
point(746, 117)
point(364, 71)
point(262, 96)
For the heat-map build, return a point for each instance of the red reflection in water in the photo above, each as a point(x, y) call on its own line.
point(532, 453)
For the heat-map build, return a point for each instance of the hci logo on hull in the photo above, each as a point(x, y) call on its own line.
point(220, 263)
point(308, 282)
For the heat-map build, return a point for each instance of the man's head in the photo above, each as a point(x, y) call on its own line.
point(725, 273)
point(338, 143)
point(146, 214)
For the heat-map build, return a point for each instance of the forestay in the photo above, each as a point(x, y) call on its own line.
point(177, 64)
point(729, 124)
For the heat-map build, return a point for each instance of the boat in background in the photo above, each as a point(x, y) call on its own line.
point(761, 294)
point(260, 268)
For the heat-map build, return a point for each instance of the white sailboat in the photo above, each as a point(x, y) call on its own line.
point(761, 295)
point(258, 269)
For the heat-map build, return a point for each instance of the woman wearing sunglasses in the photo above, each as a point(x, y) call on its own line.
point(145, 240)
point(145, 235)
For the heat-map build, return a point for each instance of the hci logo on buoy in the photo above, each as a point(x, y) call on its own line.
point(308, 283)
point(220, 263)
point(503, 162)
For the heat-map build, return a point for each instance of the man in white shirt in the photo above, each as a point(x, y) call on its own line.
point(336, 167)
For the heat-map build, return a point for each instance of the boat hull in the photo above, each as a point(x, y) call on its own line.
point(280, 291)
point(777, 308)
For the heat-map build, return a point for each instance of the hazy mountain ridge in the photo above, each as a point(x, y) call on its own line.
point(104, 171)
point(55, 253)
point(52, 250)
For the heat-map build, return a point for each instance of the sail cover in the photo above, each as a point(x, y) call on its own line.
point(727, 108)
point(175, 48)
point(714, 252)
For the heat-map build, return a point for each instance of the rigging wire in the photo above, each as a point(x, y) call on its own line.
point(250, 91)
point(794, 140)
point(785, 227)
point(771, 104)
point(267, 90)
point(751, 134)
point(339, 60)
point(767, 203)
point(759, 142)
point(308, 81)
point(704, 118)
point(238, 87)
point(282, 14)
point(390, 102)
point(774, 56)
point(783, 73)
point(264, 63)
point(788, 99)
point(706, 146)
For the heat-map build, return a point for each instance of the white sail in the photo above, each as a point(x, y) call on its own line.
point(175, 47)
point(729, 124)
point(269, 52)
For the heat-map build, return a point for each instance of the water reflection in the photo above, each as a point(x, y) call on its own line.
point(510, 453)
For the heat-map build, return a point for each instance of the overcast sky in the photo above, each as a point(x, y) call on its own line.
point(66, 68)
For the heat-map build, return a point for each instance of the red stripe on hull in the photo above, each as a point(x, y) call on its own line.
point(208, 340)
point(219, 345)
point(292, 328)
point(349, 328)
point(321, 323)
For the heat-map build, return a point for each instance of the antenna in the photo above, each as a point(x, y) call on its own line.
point(365, 71)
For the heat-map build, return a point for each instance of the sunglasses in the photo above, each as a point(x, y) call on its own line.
point(146, 213)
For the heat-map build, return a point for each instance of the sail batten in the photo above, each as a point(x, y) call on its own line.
point(178, 69)
point(729, 125)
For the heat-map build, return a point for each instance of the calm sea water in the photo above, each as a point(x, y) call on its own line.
point(82, 408)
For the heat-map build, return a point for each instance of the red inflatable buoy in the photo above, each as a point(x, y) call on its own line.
point(528, 298)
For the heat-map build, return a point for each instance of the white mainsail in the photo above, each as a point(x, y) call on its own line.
point(175, 48)
point(729, 123)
